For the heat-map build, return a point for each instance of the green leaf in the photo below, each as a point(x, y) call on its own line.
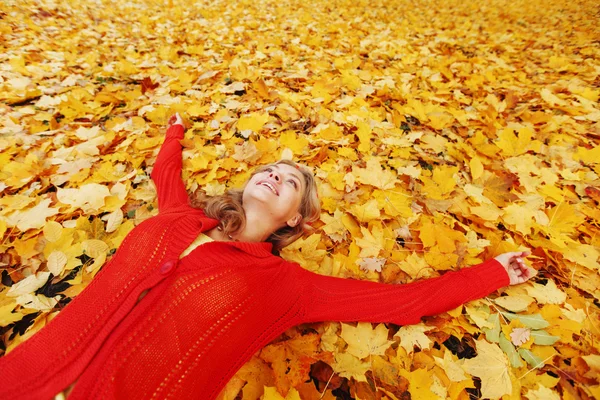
point(533, 360)
point(493, 334)
point(544, 338)
point(508, 348)
point(533, 321)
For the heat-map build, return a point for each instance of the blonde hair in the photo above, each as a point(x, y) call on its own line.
point(227, 208)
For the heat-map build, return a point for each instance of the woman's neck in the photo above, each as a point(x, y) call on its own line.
point(257, 228)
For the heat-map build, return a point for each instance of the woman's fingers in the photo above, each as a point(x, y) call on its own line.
point(514, 264)
point(175, 119)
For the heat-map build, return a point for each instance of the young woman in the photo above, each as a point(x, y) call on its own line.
point(193, 293)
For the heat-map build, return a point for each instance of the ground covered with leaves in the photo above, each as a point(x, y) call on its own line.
point(442, 133)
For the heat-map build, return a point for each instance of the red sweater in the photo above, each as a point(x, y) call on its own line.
point(205, 314)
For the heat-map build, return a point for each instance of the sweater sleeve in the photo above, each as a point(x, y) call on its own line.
point(167, 171)
point(327, 298)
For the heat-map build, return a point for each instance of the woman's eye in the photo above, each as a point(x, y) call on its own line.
point(293, 183)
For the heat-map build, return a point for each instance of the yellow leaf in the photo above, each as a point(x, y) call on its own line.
point(514, 303)
point(416, 267)
point(414, 335)
point(363, 340)
point(34, 218)
point(367, 211)
point(56, 262)
point(7, 317)
point(479, 315)
point(36, 302)
point(329, 132)
point(254, 122)
point(375, 175)
point(513, 145)
point(542, 393)
point(420, 384)
point(26, 248)
point(488, 212)
point(334, 227)
point(364, 136)
point(563, 219)
point(371, 243)
point(348, 366)
point(271, 393)
point(441, 184)
point(28, 285)
point(451, 367)
point(439, 260)
point(94, 247)
point(52, 231)
point(547, 294)
point(551, 99)
point(295, 142)
point(113, 220)
point(144, 142)
point(491, 365)
point(583, 254)
point(476, 167)
point(89, 197)
point(588, 156)
point(522, 217)
point(305, 252)
point(438, 234)
point(395, 202)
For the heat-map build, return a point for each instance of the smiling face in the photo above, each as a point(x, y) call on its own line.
point(278, 189)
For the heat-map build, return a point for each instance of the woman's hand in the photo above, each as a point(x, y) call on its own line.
point(175, 120)
point(514, 265)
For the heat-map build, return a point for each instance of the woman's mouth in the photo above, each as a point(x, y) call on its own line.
point(270, 186)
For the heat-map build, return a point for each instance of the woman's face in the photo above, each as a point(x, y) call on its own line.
point(278, 189)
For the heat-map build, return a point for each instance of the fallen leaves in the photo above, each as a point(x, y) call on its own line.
point(440, 135)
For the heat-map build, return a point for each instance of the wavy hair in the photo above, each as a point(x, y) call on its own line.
point(228, 208)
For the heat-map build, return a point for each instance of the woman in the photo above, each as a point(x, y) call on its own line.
point(216, 294)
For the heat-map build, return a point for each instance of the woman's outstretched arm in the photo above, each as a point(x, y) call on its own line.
point(166, 173)
point(329, 298)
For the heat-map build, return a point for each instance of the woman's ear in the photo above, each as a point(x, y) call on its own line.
point(295, 220)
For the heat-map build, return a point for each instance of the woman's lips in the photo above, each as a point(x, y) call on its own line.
point(269, 186)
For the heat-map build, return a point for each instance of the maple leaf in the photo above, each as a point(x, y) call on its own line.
point(371, 243)
point(547, 294)
point(491, 366)
point(452, 368)
point(442, 182)
point(434, 233)
point(372, 264)
point(350, 366)
point(375, 175)
point(420, 383)
point(363, 340)
point(291, 360)
point(541, 393)
point(497, 188)
point(334, 227)
point(520, 335)
point(414, 335)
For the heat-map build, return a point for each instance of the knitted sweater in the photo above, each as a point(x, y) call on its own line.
point(205, 314)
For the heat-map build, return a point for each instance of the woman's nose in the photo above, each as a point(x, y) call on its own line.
point(274, 175)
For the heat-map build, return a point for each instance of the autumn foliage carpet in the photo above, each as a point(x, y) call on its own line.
point(442, 133)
